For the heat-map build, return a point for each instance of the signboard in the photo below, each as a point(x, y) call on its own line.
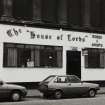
point(22, 34)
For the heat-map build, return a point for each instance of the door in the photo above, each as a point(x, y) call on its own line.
point(76, 86)
point(73, 63)
point(62, 82)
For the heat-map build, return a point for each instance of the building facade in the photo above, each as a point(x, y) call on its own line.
point(40, 38)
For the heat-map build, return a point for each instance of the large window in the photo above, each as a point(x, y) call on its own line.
point(94, 58)
point(22, 9)
point(1, 7)
point(95, 12)
point(23, 55)
point(49, 11)
point(75, 12)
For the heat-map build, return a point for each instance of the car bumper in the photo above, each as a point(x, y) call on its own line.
point(47, 91)
point(24, 93)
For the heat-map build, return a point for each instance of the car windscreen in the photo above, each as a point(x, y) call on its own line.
point(74, 79)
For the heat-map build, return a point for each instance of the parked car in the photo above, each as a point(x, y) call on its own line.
point(59, 86)
point(13, 92)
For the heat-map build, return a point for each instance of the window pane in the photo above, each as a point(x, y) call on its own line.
point(62, 79)
point(48, 79)
point(74, 79)
point(86, 61)
point(21, 55)
point(95, 58)
point(1, 7)
point(37, 58)
point(49, 10)
point(50, 57)
point(28, 57)
point(95, 13)
point(102, 57)
point(12, 57)
point(22, 9)
point(75, 12)
point(59, 58)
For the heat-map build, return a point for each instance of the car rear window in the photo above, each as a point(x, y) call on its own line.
point(48, 79)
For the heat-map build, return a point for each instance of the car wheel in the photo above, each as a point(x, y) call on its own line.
point(16, 96)
point(92, 93)
point(58, 94)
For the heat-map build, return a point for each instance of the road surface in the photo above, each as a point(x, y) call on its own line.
point(98, 100)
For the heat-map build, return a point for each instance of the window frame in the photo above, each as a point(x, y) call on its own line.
point(100, 63)
point(35, 49)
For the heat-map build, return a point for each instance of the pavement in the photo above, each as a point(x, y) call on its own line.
point(36, 93)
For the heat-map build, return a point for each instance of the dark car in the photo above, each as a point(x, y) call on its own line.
point(59, 86)
point(12, 92)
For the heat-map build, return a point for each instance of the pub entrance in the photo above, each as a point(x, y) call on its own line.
point(73, 66)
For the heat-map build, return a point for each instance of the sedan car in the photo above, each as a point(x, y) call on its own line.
point(13, 92)
point(59, 86)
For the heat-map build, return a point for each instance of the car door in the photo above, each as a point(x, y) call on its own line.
point(75, 89)
point(69, 87)
point(62, 83)
point(76, 86)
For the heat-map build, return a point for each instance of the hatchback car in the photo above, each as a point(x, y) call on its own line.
point(59, 86)
point(13, 92)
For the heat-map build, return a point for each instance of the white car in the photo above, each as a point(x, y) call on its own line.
point(59, 86)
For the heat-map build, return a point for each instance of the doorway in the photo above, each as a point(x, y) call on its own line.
point(73, 63)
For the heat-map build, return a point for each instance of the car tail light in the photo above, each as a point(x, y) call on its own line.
point(43, 87)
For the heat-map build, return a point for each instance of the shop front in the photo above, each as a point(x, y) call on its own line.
point(30, 54)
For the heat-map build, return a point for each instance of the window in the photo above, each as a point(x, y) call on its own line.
point(48, 79)
point(74, 79)
point(61, 79)
point(49, 56)
point(95, 12)
point(23, 55)
point(95, 58)
point(102, 13)
point(49, 11)
point(1, 7)
point(22, 9)
point(75, 12)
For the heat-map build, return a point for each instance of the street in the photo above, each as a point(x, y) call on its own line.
point(98, 100)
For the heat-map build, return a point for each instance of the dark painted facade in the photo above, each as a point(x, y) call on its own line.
point(69, 14)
